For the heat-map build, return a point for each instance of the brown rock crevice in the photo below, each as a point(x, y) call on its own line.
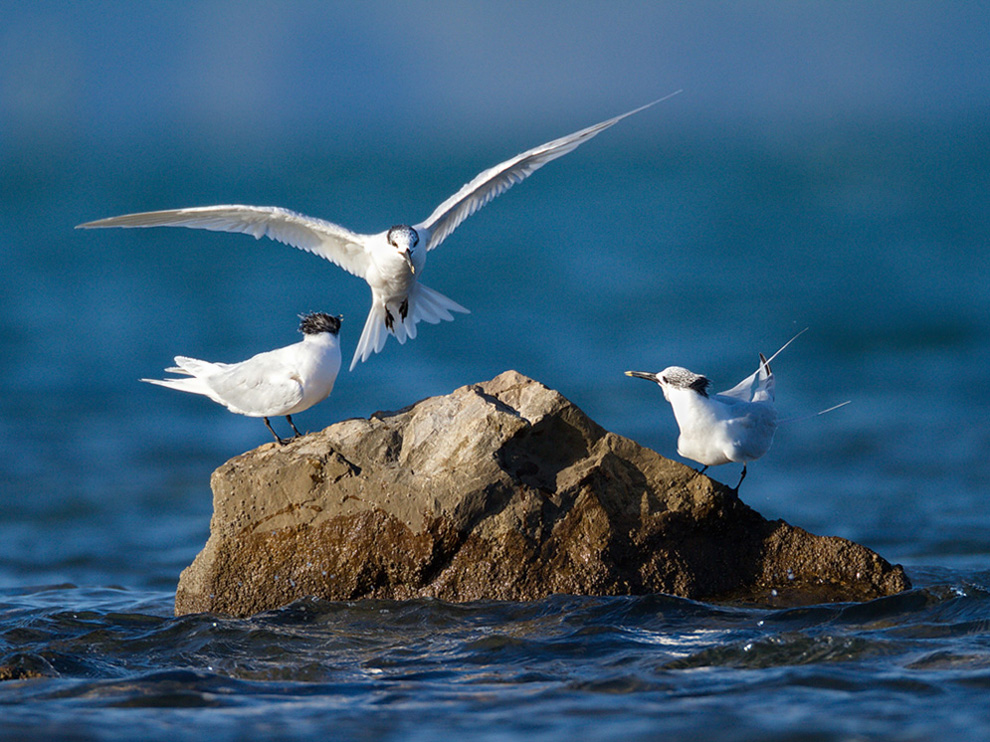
point(498, 491)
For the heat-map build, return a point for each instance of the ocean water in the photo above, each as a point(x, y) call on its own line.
point(692, 247)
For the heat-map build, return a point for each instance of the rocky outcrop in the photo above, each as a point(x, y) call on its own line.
point(498, 491)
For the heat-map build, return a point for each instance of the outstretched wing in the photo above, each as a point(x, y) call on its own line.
point(323, 238)
point(744, 389)
point(496, 180)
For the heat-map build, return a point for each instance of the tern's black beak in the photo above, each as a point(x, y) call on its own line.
point(408, 256)
point(642, 375)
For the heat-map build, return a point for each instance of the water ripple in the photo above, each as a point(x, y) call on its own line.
point(74, 650)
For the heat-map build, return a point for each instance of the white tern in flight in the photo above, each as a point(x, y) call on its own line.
point(391, 261)
point(277, 382)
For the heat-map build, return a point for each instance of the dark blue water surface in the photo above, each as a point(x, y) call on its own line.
point(914, 666)
point(656, 247)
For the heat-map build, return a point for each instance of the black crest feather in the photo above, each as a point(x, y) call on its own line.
point(701, 385)
point(316, 322)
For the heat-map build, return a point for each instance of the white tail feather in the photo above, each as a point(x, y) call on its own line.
point(192, 384)
point(189, 384)
point(372, 336)
point(431, 306)
point(425, 305)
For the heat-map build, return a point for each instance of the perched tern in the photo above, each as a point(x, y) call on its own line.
point(735, 425)
point(391, 261)
point(277, 382)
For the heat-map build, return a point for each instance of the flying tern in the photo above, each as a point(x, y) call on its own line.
point(391, 261)
point(277, 382)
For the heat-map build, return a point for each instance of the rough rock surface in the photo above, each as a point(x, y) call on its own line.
point(498, 491)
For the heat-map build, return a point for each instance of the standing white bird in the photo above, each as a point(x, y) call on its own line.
point(735, 425)
point(277, 382)
point(391, 261)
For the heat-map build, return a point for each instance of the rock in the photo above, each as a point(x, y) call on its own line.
point(498, 491)
point(11, 672)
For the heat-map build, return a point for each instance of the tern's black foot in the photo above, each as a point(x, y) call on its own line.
point(281, 441)
point(404, 308)
point(294, 428)
point(389, 319)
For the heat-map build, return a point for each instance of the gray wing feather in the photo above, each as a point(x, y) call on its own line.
point(254, 391)
point(743, 391)
point(323, 238)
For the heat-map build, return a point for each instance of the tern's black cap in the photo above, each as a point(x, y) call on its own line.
point(317, 322)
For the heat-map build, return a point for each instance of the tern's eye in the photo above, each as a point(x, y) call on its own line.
point(664, 380)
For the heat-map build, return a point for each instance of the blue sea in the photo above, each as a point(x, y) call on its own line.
point(654, 246)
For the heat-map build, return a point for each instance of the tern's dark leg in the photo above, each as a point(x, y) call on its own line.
point(699, 472)
point(741, 478)
point(389, 319)
point(404, 308)
point(294, 428)
point(280, 441)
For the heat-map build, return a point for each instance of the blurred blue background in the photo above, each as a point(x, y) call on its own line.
point(826, 166)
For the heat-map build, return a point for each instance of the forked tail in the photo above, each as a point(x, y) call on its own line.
point(424, 304)
point(191, 383)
